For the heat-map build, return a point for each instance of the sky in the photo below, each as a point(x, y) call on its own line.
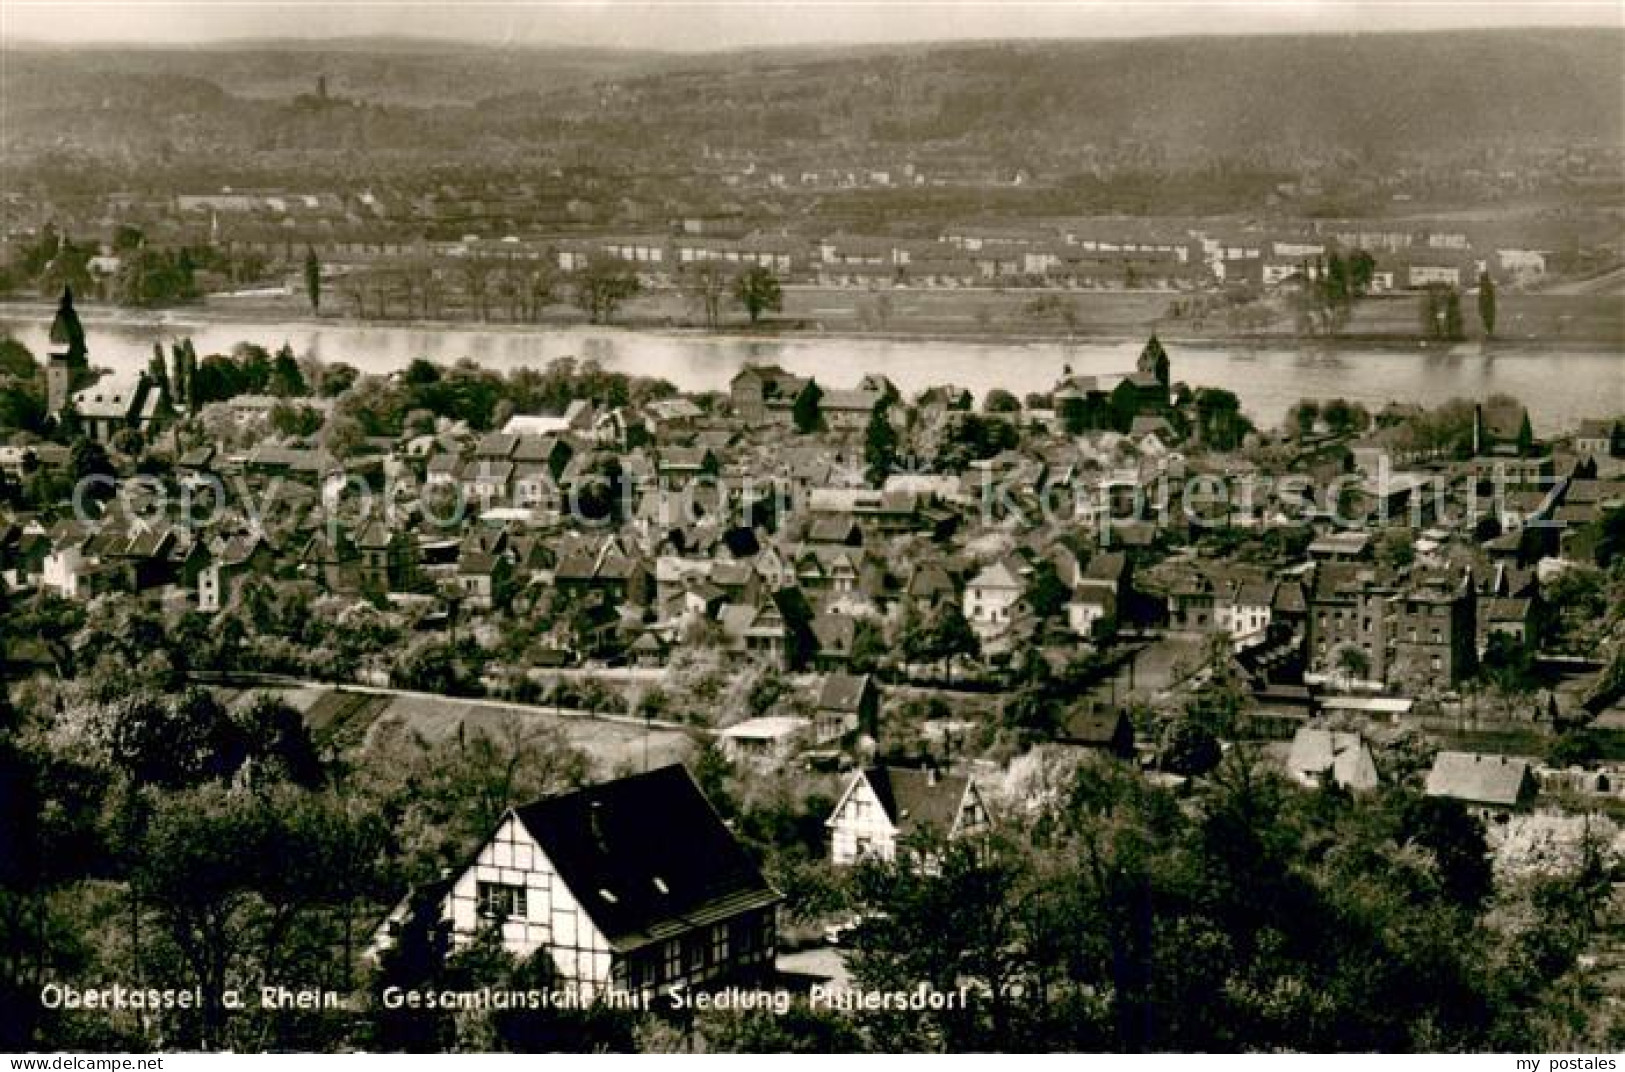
point(704, 25)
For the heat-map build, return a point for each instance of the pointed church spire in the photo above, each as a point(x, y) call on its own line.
point(66, 329)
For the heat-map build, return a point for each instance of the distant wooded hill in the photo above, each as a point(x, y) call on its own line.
point(1182, 103)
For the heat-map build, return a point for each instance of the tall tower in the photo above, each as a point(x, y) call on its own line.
point(68, 362)
point(1154, 359)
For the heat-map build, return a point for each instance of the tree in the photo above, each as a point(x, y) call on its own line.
point(1362, 270)
point(1046, 594)
point(758, 291)
point(1526, 437)
point(1343, 417)
point(805, 411)
point(1190, 748)
point(295, 420)
point(1453, 329)
point(869, 647)
point(313, 279)
point(181, 373)
point(337, 378)
point(959, 920)
point(706, 285)
point(1352, 663)
point(230, 873)
point(1486, 304)
point(541, 286)
point(88, 458)
point(999, 400)
point(603, 285)
point(944, 636)
point(1054, 307)
point(286, 379)
point(879, 445)
point(16, 360)
point(1301, 418)
point(1219, 421)
point(476, 282)
point(1509, 665)
point(22, 388)
point(1395, 550)
point(1430, 309)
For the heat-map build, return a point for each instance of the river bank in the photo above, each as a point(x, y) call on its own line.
point(788, 328)
point(1561, 384)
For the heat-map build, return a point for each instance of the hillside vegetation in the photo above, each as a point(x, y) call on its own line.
point(1069, 108)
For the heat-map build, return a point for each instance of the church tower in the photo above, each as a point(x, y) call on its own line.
point(1154, 359)
point(65, 365)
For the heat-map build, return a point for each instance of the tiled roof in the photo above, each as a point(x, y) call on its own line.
point(646, 856)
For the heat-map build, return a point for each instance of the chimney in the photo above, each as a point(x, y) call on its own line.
point(596, 823)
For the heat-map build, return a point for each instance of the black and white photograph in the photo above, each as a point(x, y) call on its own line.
point(829, 527)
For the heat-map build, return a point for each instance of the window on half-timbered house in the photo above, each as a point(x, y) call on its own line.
point(498, 900)
point(674, 960)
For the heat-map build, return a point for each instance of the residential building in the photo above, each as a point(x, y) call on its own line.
point(1330, 757)
point(632, 886)
point(1600, 438)
point(766, 395)
point(769, 741)
point(847, 703)
point(991, 597)
point(1486, 782)
point(883, 808)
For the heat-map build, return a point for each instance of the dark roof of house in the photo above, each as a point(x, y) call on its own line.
point(835, 633)
point(915, 800)
point(376, 537)
point(1506, 609)
point(535, 448)
point(646, 856)
point(577, 566)
point(1598, 427)
point(838, 529)
point(929, 581)
point(497, 445)
point(842, 692)
point(476, 563)
point(1289, 598)
point(1503, 418)
point(1478, 778)
point(1107, 566)
point(1098, 727)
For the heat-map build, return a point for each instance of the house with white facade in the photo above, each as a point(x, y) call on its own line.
point(1331, 757)
point(991, 598)
point(883, 808)
point(629, 887)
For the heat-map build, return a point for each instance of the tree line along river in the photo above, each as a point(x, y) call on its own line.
point(1559, 386)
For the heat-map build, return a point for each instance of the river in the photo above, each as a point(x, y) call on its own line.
point(1559, 386)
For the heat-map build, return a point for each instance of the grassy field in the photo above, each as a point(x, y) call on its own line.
point(353, 721)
